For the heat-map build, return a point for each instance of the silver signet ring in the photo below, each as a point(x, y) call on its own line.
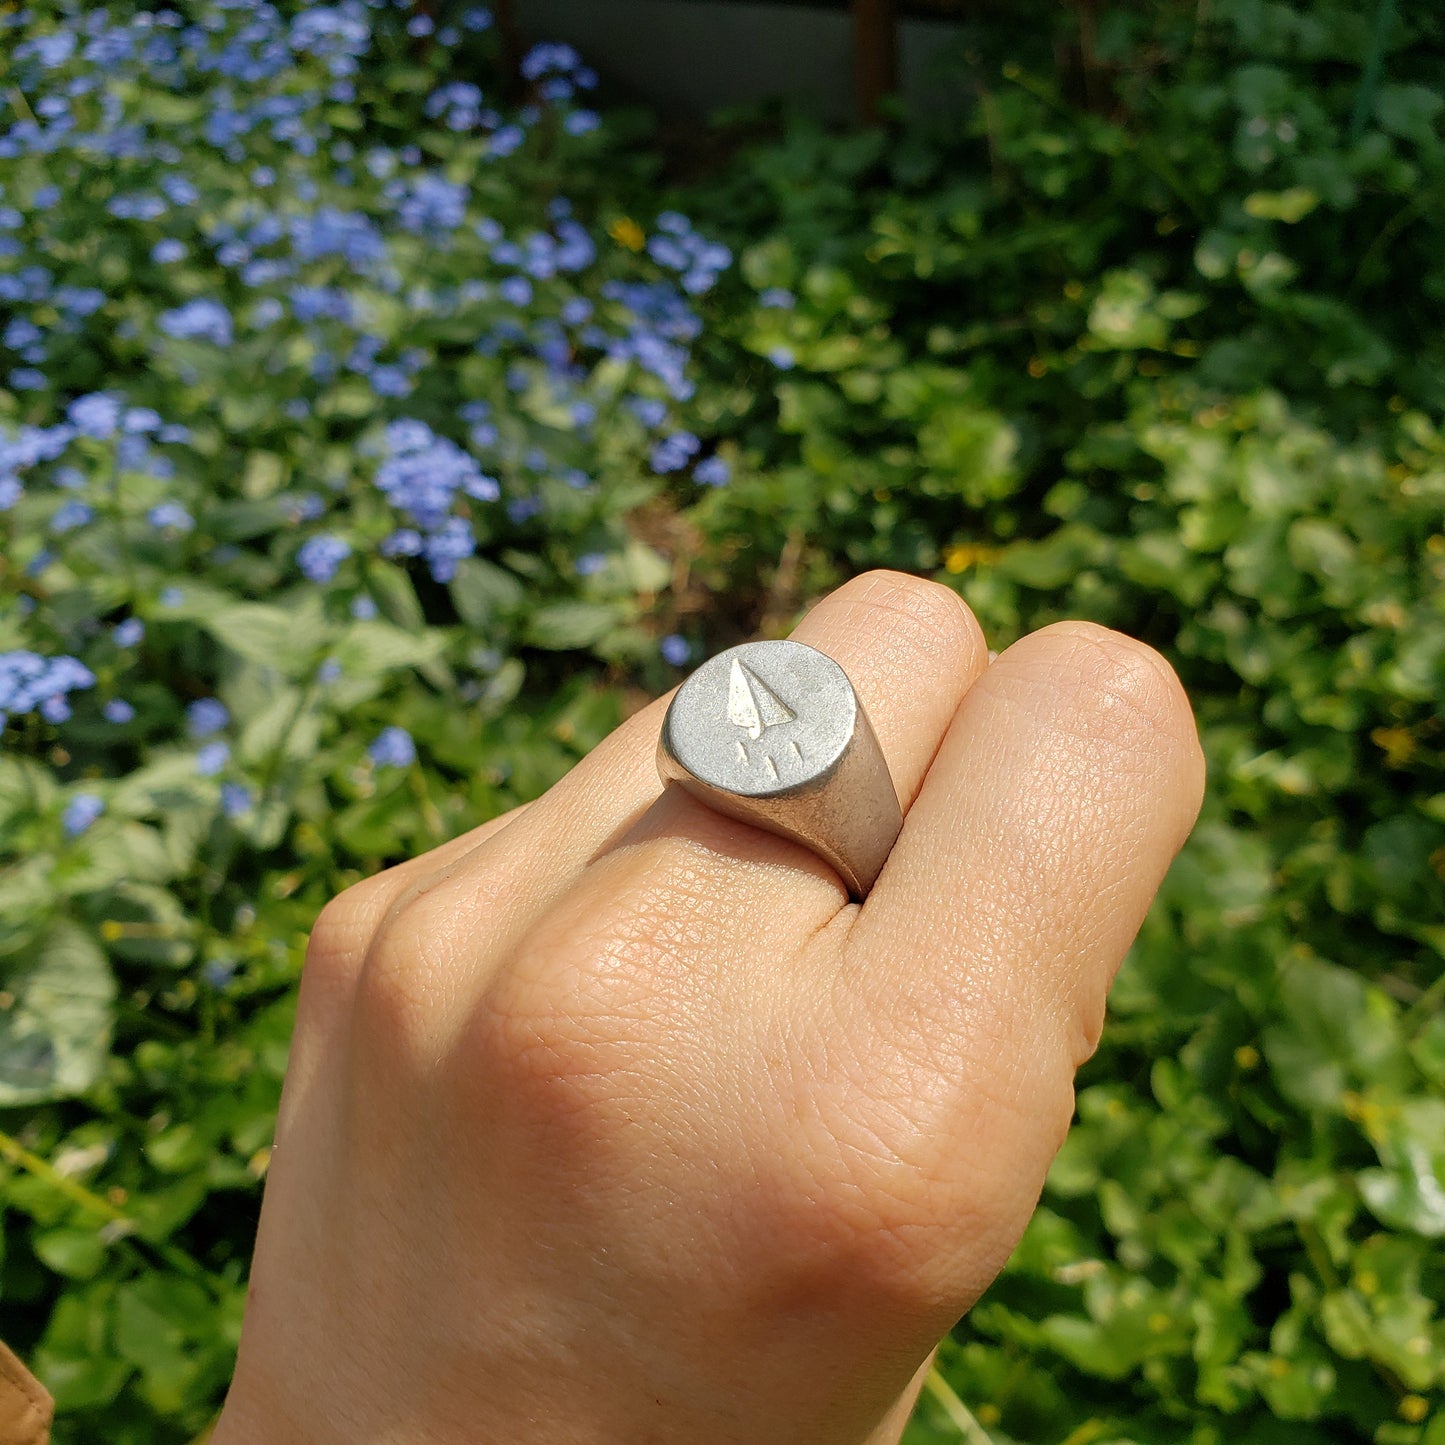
point(773, 733)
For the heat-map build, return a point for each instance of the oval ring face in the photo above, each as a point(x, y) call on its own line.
point(762, 719)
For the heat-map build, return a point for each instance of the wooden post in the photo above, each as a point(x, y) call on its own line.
point(875, 55)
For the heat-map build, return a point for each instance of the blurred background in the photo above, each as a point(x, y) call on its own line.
point(393, 396)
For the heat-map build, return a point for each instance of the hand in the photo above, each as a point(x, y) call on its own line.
point(615, 1122)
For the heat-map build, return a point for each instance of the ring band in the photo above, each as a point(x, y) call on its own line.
point(772, 733)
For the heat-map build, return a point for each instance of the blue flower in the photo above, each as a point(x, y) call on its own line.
point(54, 49)
point(590, 563)
point(117, 710)
point(235, 799)
point(82, 810)
point(218, 972)
point(32, 683)
point(71, 516)
point(543, 59)
point(363, 608)
point(674, 452)
point(675, 649)
point(712, 472)
point(348, 235)
point(430, 205)
point(515, 289)
point(96, 415)
point(198, 320)
point(648, 410)
point(782, 357)
point(212, 758)
point(459, 103)
point(776, 296)
point(205, 716)
point(21, 332)
point(170, 516)
point(445, 548)
point(390, 381)
point(404, 542)
point(507, 139)
point(576, 311)
point(393, 748)
point(137, 208)
point(128, 633)
point(79, 300)
point(421, 477)
point(320, 556)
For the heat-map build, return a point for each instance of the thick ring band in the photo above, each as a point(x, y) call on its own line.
point(773, 733)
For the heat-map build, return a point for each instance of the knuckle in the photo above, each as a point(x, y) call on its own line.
point(422, 958)
point(335, 954)
point(342, 930)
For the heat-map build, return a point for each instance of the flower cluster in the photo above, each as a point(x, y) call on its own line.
point(322, 280)
point(30, 683)
point(423, 476)
point(678, 247)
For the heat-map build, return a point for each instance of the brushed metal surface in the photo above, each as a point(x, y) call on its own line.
point(773, 733)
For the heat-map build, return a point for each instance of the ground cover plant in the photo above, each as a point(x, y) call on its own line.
point(1152, 338)
point(372, 437)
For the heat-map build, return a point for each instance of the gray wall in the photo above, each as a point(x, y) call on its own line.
point(694, 56)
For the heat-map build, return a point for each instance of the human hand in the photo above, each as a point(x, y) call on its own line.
point(615, 1122)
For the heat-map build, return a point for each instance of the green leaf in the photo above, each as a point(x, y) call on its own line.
point(1332, 1032)
point(1124, 315)
point(395, 595)
point(367, 649)
point(1410, 111)
point(560, 626)
point(1056, 560)
point(482, 592)
point(55, 1036)
point(1409, 1193)
point(288, 639)
point(157, 1319)
point(284, 724)
point(1289, 206)
point(75, 1253)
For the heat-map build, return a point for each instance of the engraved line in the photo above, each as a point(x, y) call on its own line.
point(773, 769)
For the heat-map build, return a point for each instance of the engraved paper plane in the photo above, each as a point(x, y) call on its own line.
point(752, 704)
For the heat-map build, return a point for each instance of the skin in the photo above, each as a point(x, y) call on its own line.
point(615, 1122)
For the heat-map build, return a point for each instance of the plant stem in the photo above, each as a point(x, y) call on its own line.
point(959, 1415)
point(1374, 64)
point(14, 1152)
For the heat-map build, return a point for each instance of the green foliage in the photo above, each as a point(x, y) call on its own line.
point(1157, 344)
point(1154, 338)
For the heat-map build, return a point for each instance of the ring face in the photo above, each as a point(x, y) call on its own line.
point(762, 720)
point(773, 733)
